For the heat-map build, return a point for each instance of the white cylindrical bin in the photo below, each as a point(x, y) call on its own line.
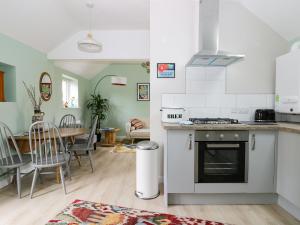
point(146, 170)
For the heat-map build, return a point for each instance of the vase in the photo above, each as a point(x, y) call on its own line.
point(37, 116)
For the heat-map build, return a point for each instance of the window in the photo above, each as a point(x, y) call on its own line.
point(69, 92)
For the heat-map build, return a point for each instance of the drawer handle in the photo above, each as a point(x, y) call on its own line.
point(253, 142)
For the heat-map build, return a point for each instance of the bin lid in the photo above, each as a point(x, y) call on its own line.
point(147, 145)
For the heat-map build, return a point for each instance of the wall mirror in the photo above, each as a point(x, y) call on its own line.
point(45, 86)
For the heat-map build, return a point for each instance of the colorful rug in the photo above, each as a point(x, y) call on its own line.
point(122, 148)
point(90, 213)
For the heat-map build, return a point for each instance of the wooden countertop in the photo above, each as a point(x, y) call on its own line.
point(281, 126)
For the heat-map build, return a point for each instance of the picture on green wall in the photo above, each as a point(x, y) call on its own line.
point(143, 91)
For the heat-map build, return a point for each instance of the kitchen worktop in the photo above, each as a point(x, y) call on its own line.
point(282, 126)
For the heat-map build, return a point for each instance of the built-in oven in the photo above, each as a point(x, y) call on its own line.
point(221, 156)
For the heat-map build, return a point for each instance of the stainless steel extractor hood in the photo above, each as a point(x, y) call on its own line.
point(210, 55)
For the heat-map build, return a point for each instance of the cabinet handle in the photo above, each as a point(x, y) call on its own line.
point(190, 144)
point(253, 142)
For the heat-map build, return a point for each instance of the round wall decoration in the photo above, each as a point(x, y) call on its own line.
point(45, 86)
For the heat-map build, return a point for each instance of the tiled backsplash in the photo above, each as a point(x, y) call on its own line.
point(206, 96)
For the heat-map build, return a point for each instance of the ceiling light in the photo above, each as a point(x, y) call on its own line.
point(89, 44)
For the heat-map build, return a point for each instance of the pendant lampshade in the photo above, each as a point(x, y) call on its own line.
point(89, 44)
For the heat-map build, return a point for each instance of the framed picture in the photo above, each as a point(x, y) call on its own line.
point(143, 91)
point(165, 70)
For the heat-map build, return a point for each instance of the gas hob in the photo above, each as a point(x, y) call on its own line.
point(213, 121)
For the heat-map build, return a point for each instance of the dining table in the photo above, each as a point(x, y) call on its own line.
point(71, 133)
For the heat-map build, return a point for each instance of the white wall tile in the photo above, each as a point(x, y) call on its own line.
point(195, 100)
point(203, 112)
point(271, 101)
point(167, 100)
point(215, 73)
point(195, 73)
point(173, 100)
point(246, 101)
point(221, 100)
point(206, 87)
point(179, 100)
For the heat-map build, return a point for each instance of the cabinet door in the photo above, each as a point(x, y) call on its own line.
point(261, 176)
point(288, 167)
point(180, 161)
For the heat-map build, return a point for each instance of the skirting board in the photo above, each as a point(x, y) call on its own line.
point(289, 207)
point(221, 199)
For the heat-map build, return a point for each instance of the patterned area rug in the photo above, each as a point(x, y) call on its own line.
point(90, 213)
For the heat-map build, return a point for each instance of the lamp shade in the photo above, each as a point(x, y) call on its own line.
point(89, 44)
point(119, 81)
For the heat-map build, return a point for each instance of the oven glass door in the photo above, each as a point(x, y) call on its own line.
point(221, 162)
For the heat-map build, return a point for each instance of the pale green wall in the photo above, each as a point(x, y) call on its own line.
point(29, 64)
point(123, 99)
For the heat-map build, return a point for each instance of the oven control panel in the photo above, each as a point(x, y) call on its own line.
point(222, 135)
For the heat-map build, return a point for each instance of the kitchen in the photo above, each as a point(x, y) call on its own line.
point(250, 158)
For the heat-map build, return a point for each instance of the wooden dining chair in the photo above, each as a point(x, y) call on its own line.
point(68, 121)
point(47, 151)
point(85, 148)
point(10, 156)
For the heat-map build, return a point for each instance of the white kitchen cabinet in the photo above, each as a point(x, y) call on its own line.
point(180, 161)
point(261, 176)
point(288, 167)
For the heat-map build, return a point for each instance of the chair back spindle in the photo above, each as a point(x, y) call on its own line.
point(46, 144)
point(68, 121)
point(8, 147)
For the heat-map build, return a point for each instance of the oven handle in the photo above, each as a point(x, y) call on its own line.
point(214, 146)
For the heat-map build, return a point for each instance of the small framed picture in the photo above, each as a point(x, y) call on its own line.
point(165, 70)
point(143, 91)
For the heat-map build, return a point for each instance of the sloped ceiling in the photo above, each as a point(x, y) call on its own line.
point(85, 68)
point(281, 15)
point(44, 24)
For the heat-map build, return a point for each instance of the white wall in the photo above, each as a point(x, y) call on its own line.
point(173, 38)
point(242, 32)
point(117, 46)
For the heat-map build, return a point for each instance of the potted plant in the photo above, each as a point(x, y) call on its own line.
point(99, 107)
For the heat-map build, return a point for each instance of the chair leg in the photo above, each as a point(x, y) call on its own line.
point(68, 171)
point(132, 141)
point(19, 181)
point(62, 178)
point(91, 161)
point(33, 181)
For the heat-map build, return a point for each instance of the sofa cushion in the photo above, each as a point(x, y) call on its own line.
point(140, 133)
point(137, 124)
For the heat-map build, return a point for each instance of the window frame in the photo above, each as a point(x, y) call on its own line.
point(68, 80)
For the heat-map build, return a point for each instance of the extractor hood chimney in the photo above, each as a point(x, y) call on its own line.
point(210, 55)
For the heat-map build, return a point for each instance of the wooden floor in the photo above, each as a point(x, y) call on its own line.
point(113, 182)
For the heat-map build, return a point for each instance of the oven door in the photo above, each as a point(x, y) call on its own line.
point(221, 162)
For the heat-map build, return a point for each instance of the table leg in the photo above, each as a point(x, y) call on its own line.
point(77, 158)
